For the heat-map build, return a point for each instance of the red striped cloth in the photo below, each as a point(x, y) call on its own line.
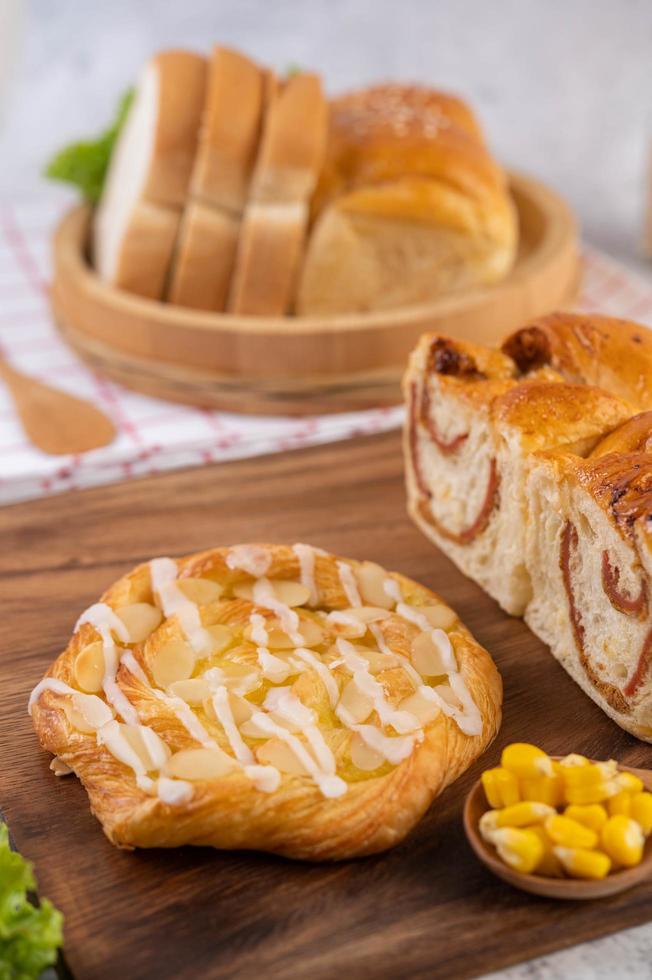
point(154, 436)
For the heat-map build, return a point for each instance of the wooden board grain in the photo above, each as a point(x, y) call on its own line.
point(426, 909)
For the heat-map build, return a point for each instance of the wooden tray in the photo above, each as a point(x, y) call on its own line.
point(300, 365)
point(427, 909)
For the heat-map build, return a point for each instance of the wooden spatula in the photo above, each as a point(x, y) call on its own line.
point(54, 421)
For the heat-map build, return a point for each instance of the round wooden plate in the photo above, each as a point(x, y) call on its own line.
point(300, 365)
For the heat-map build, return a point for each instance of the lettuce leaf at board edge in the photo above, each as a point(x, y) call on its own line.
point(84, 164)
point(29, 935)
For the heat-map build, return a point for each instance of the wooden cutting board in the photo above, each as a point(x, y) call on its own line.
point(425, 909)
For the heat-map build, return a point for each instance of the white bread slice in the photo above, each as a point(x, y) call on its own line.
point(138, 214)
point(276, 218)
point(228, 140)
point(589, 551)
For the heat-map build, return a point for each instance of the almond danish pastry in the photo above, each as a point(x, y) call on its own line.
point(267, 697)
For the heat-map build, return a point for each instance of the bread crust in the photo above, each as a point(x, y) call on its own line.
point(403, 162)
point(295, 820)
point(230, 130)
point(589, 348)
point(182, 85)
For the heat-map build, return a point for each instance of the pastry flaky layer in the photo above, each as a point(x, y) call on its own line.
point(267, 697)
point(530, 468)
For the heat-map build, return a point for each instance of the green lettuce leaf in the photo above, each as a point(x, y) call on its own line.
point(29, 935)
point(85, 164)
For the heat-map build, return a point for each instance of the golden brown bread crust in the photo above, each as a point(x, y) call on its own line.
point(634, 436)
point(295, 820)
point(621, 483)
point(230, 130)
point(387, 132)
point(182, 85)
point(548, 413)
point(409, 205)
point(592, 349)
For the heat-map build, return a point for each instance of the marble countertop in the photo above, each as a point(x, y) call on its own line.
point(562, 88)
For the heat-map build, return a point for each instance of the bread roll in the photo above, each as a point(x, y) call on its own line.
point(276, 217)
point(138, 214)
point(230, 130)
point(410, 205)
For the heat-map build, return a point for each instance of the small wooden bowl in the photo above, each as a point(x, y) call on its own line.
point(300, 365)
point(566, 888)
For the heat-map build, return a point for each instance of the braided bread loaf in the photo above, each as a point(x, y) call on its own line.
point(532, 470)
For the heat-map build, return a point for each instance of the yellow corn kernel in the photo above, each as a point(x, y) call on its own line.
point(520, 849)
point(570, 833)
point(524, 814)
point(620, 803)
point(623, 840)
point(573, 761)
point(641, 811)
point(500, 787)
point(593, 816)
point(549, 864)
point(630, 783)
point(543, 789)
point(582, 775)
point(592, 793)
point(580, 863)
point(488, 825)
point(526, 761)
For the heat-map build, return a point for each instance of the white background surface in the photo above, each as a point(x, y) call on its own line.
point(564, 88)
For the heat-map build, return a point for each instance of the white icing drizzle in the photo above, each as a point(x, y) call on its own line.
point(469, 719)
point(265, 778)
point(291, 709)
point(250, 558)
point(103, 619)
point(349, 583)
point(393, 749)
point(48, 684)
point(320, 668)
point(240, 749)
point(174, 791)
point(315, 757)
point(401, 721)
point(163, 572)
point(263, 595)
point(306, 557)
point(133, 666)
point(111, 736)
point(188, 718)
point(273, 668)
